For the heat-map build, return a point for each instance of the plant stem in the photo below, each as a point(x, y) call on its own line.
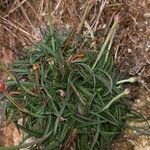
point(22, 109)
point(77, 93)
point(87, 9)
point(110, 34)
point(130, 80)
point(126, 92)
point(50, 24)
point(7, 95)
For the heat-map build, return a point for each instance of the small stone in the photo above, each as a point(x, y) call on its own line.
point(147, 15)
point(129, 50)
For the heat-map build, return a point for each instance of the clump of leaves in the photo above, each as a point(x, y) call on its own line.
point(67, 98)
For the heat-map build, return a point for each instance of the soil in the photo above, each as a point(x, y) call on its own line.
point(133, 40)
point(131, 47)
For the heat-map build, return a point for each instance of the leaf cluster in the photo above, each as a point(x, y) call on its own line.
point(59, 94)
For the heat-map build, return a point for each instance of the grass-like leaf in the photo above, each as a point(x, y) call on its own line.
point(66, 98)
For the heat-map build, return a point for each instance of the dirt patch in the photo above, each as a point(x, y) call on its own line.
point(10, 135)
point(133, 41)
point(132, 139)
point(132, 55)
